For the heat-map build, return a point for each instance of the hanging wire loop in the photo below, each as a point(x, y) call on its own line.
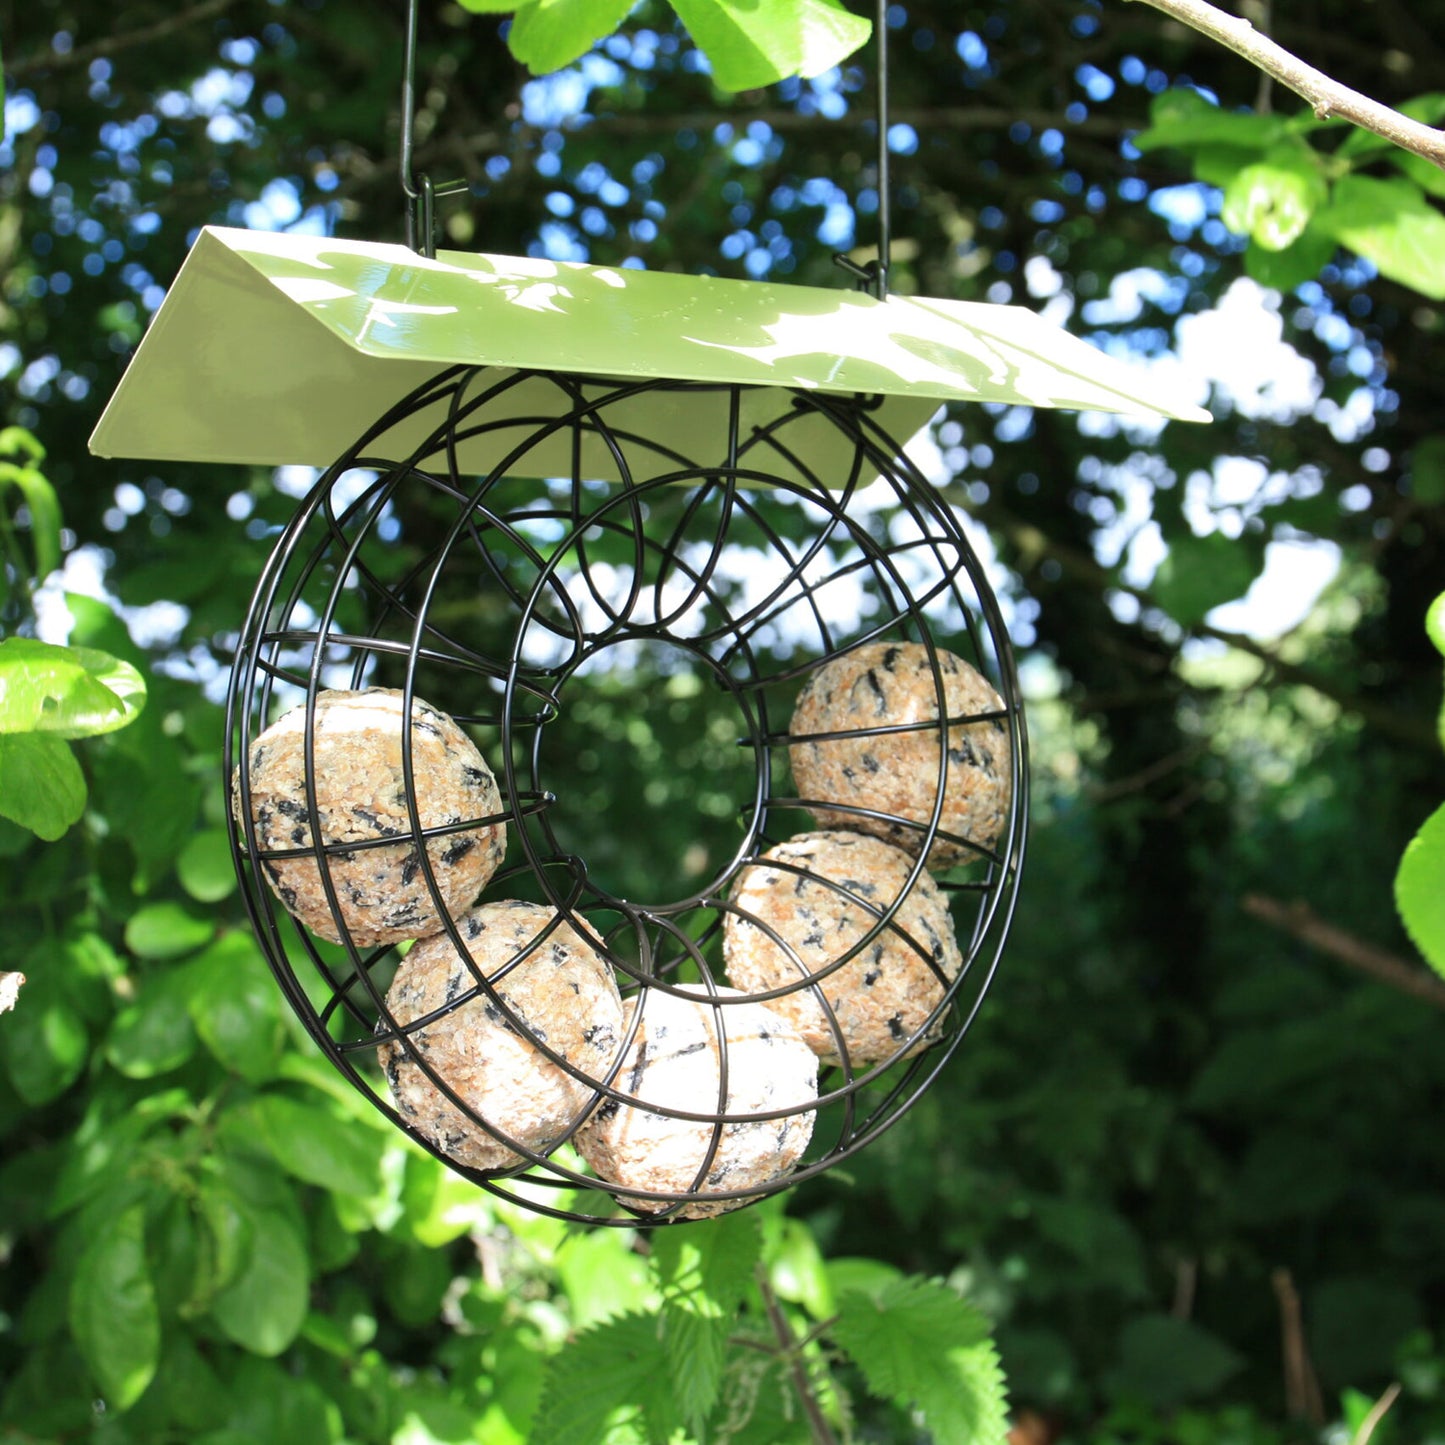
point(420, 191)
point(873, 276)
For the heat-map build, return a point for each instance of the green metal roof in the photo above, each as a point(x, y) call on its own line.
point(273, 348)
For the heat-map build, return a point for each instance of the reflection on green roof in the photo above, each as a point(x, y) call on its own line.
point(274, 348)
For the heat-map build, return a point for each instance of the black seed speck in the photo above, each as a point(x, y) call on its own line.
point(881, 698)
point(963, 754)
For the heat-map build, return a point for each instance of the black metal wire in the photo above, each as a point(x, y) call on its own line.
point(362, 589)
point(421, 191)
point(874, 276)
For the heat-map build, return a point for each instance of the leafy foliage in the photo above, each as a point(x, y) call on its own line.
point(918, 1343)
point(1296, 202)
point(747, 44)
point(48, 694)
point(1165, 1102)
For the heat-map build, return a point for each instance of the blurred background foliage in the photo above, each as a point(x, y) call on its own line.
point(1186, 1164)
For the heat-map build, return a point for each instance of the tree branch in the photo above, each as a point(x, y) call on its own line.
point(1301, 1388)
point(1327, 97)
point(1302, 922)
point(125, 40)
point(1377, 1413)
point(790, 1351)
point(1034, 547)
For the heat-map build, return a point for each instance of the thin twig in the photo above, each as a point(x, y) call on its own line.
point(1186, 1280)
point(1035, 548)
point(124, 40)
point(1302, 922)
point(1377, 1413)
point(1145, 777)
point(789, 1350)
point(1326, 96)
point(1301, 1388)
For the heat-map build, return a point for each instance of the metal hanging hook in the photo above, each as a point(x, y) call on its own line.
point(420, 191)
point(874, 276)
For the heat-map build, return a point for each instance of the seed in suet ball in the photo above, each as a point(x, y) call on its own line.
point(803, 905)
point(382, 891)
point(674, 1061)
point(886, 685)
point(560, 990)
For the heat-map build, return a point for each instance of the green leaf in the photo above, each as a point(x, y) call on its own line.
point(440, 1206)
point(315, 1145)
point(113, 1314)
point(489, 7)
point(227, 1225)
point(264, 1307)
point(193, 1395)
point(1390, 223)
point(1218, 164)
point(1185, 120)
point(415, 1293)
point(73, 692)
point(1356, 1323)
point(548, 34)
point(795, 1264)
point(1200, 573)
point(704, 1272)
point(917, 1343)
point(236, 1007)
point(1435, 623)
point(751, 43)
point(1163, 1361)
point(604, 1384)
point(1420, 890)
point(44, 508)
point(153, 1034)
point(165, 930)
point(601, 1274)
point(1272, 201)
point(41, 785)
point(274, 1403)
point(15, 439)
point(205, 867)
point(1427, 469)
point(45, 1057)
point(861, 1275)
point(1426, 174)
point(1100, 1239)
point(1291, 267)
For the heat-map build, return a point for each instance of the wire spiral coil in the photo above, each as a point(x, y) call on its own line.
point(505, 593)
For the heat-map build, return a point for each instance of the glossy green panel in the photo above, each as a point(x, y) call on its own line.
point(273, 348)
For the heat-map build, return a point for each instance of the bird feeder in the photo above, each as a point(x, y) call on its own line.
point(533, 475)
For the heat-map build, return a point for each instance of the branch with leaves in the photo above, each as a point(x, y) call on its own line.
point(1328, 98)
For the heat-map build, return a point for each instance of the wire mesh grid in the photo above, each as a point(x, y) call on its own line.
point(500, 603)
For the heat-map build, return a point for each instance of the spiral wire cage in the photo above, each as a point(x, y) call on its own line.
point(502, 596)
